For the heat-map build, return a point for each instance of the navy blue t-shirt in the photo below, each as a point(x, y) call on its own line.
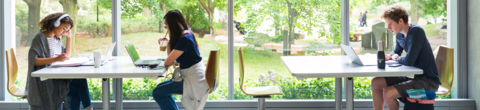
point(191, 54)
point(419, 52)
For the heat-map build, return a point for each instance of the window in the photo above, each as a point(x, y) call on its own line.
point(265, 29)
point(91, 32)
point(269, 29)
point(364, 35)
point(143, 25)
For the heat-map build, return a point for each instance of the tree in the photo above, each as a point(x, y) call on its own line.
point(131, 8)
point(210, 10)
point(71, 8)
point(419, 8)
point(291, 14)
point(33, 19)
point(190, 9)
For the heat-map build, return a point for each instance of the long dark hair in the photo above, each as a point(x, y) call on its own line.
point(46, 25)
point(177, 24)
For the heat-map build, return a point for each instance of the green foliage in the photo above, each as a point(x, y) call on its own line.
point(434, 8)
point(21, 18)
point(301, 14)
point(139, 24)
point(217, 25)
point(129, 7)
point(255, 39)
point(133, 25)
point(90, 25)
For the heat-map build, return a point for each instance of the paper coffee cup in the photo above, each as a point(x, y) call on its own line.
point(97, 58)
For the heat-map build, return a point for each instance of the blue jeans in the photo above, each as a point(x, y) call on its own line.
point(79, 93)
point(162, 94)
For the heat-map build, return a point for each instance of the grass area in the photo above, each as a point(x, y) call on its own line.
point(430, 30)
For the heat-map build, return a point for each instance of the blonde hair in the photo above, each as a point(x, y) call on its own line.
point(396, 12)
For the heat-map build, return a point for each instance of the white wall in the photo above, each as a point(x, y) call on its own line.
point(474, 51)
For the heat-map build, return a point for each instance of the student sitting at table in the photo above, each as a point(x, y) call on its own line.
point(412, 39)
point(183, 48)
point(46, 49)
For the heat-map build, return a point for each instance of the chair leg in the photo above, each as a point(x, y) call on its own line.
point(261, 103)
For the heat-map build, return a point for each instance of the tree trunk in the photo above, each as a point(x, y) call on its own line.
point(209, 10)
point(33, 19)
point(286, 38)
point(160, 23)
point(210, 16)
point(71, 8)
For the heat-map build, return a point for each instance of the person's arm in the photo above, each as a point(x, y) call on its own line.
point(46, 61)
point(68, 48)
point(172, 57)
point(398, 49)
point(168, 48)
point(418, 40)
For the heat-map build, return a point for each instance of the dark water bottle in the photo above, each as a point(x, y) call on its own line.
point(380, 56)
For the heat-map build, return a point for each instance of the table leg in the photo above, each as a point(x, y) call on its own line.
point(105, 93)
point(118, 94)
point(349, 92)
point(338, 93)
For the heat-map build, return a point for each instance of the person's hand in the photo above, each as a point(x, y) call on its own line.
point(388, 57)
point(61, 58)
point(68, 33)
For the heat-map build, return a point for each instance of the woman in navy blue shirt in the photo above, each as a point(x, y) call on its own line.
point(182, 48)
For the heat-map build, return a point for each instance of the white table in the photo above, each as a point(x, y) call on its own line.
point(341, 66)
point(120, 67)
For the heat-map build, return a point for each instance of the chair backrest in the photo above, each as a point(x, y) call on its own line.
point(12, 70)
point(212, 71)
point(241, 68)
point(444, 62)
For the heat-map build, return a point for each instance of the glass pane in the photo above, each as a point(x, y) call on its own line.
point(143, 25)
point(367, 29)
point(93, 33)
point(26, 31)
point(269, 29)
point(84, 34)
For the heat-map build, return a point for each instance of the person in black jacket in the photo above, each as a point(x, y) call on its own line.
point(364, 19)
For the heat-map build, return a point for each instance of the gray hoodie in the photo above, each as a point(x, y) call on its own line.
point(48, 94)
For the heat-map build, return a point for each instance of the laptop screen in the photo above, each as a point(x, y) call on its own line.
point(132, 52)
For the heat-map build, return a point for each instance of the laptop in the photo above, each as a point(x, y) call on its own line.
point(137, 61)
point(104, 59)
point(370, 60)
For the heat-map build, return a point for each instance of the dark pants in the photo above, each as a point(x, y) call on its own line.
point(79, 93)
point(162, 94)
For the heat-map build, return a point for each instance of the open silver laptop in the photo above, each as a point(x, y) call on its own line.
point(104, 59)
point(370, 60)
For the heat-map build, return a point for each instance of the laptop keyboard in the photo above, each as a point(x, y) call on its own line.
point(145, 62)
point(149, 61)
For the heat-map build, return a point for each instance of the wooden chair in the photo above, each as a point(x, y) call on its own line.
point(12, 70)
point(444, 62)
point(212, 70)
point(257, 92)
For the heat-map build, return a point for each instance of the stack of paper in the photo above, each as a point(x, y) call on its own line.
point(71, 62)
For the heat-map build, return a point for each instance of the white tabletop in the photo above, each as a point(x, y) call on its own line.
point(120, 67)
point(340, 66)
